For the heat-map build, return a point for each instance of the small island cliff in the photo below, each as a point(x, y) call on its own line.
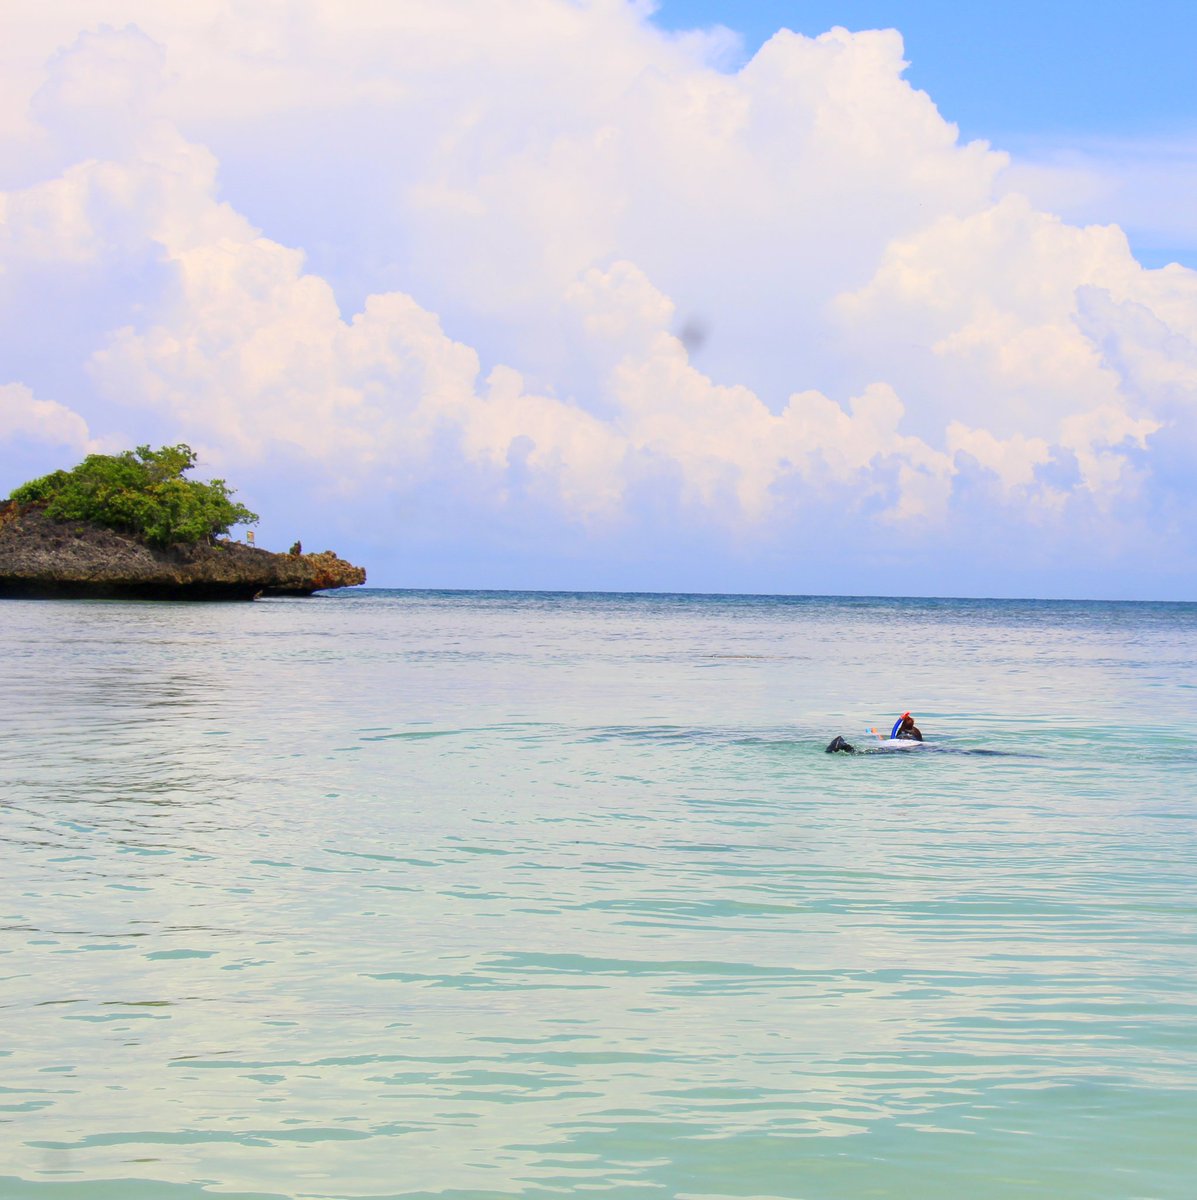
point(46, 558)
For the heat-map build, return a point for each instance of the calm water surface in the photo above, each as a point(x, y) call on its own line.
point(477, 895)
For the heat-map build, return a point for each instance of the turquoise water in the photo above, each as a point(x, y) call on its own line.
point(399, 894)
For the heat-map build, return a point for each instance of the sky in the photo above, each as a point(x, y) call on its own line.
point(1095, 97)
point(807, 298)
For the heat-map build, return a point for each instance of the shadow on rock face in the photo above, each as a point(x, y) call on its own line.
point(41, 558)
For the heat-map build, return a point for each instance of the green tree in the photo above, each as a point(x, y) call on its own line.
point(141, 492)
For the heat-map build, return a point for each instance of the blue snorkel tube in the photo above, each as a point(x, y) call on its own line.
point(893, 733)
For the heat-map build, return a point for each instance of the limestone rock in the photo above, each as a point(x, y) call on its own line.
point(42, 558)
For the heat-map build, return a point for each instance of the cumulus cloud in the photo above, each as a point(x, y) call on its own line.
point(1143, 184)
point(22, 415)
point(408, 251)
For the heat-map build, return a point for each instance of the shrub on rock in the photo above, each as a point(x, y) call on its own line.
point(140, 492)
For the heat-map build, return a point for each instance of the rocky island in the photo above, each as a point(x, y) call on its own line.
point(129, 526)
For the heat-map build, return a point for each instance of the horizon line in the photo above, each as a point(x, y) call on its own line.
point(662, 594)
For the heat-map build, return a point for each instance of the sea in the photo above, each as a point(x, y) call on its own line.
point(475, 895)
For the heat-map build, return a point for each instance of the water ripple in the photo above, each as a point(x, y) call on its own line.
point(422, 894)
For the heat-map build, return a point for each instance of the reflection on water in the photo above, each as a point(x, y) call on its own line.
point(429, 894)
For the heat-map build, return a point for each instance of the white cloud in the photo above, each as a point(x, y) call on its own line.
point(1143, 184)
point(23, 415)
point(405, 246)
point(1013, 461)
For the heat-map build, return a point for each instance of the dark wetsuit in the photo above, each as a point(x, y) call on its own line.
point(910, 733)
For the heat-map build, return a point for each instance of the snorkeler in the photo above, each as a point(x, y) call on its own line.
point(904, 730)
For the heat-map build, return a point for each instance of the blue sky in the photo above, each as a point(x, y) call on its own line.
point(1068, 78)
point(572, 294)
point(1018, 68)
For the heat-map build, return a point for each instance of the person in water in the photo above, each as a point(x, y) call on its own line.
point(905, 730)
